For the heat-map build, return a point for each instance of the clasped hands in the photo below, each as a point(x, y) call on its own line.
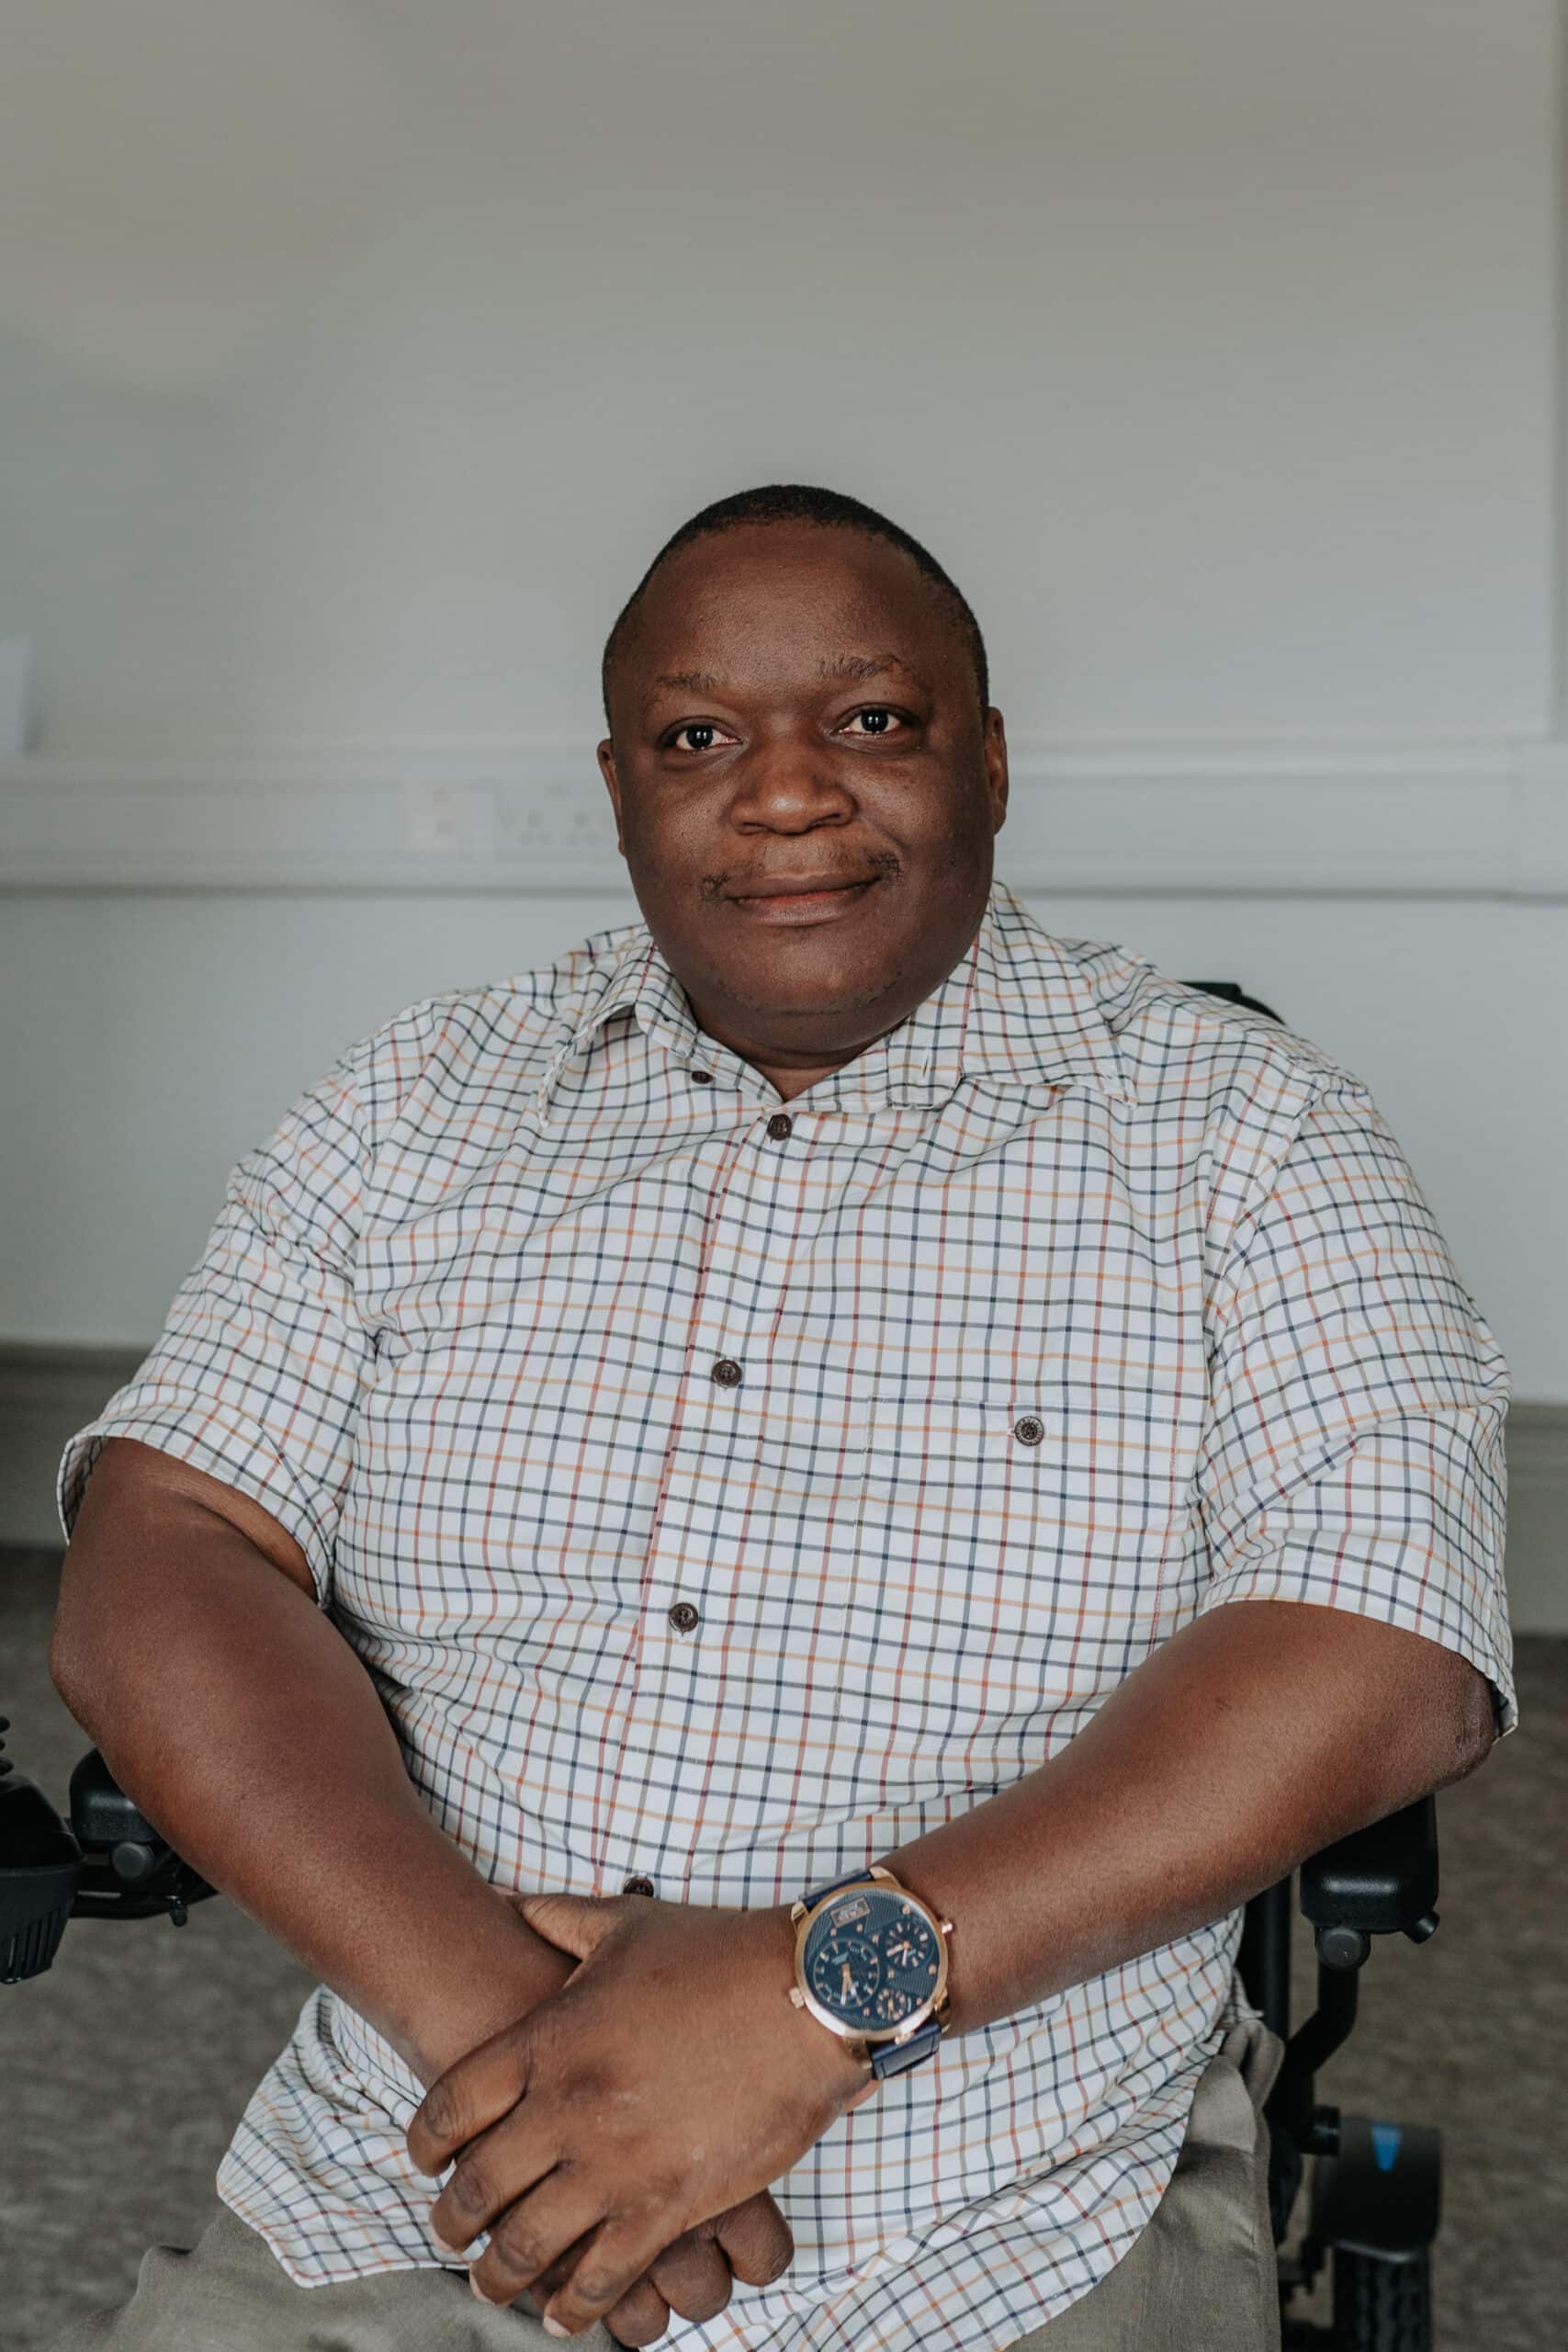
point(637, 2113)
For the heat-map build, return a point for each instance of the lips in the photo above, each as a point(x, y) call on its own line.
point(798, 907)
point(806, 885)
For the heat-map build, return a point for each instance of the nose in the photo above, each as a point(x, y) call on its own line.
point(792, 780)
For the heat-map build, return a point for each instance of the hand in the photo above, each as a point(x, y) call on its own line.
point(671, 2077)
point(695, 2276)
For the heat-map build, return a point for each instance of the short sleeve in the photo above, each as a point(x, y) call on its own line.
point(1352, 1453)
point(257, 1374)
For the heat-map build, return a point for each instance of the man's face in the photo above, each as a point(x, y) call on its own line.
point(797, 704)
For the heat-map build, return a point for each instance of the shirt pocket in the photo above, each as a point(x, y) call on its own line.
point(1017, 1537)
point(960, 1508)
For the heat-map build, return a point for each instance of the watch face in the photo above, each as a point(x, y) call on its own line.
point(872, 1959)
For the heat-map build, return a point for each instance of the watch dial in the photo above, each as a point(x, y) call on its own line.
point(872, 1959)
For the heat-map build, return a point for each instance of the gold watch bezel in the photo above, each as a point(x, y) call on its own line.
point(858, 2040)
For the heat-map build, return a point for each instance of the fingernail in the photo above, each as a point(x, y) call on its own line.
point(554, 2327)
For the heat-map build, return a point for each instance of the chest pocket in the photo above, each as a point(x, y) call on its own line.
point(959, 1503)
point(1021, 1538)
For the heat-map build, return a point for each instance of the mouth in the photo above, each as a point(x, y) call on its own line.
point(806, 906)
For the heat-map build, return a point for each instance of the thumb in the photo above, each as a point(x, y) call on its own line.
point(574, 1923)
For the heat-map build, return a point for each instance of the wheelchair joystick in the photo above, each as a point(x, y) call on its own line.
point(110, 1863)
point(41, 1863)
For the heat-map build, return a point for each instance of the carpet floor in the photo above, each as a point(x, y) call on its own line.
point(125, 2067)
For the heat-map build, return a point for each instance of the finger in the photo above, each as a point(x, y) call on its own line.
point(640, 2317)
point(476, 2092)
point(692, 2276)
point(497, 2169)
point(758, 2242)
point(556, 2274)
point(574, 1923)
point(619, 2254)
point(534, 2233)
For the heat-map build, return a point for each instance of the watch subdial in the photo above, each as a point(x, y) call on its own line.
point(910, 1961)
point(893, 2005)
point(845, 1973)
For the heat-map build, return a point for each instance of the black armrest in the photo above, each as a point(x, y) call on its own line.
point(1380, 1878)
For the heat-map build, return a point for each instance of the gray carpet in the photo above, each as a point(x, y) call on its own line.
point(125, 2068)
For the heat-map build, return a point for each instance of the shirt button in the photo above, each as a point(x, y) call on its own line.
point(1028, 1430)
point(683, 1616)
point(780, 1125)
point(702, 1078)
point(638, 1887)
point(726, 1372)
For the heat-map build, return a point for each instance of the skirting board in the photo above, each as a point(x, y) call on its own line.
point(48, 1392)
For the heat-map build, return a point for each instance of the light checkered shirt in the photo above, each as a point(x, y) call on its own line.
point(1080, 1304)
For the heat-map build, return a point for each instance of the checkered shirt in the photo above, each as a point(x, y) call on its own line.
point(1077, 1305)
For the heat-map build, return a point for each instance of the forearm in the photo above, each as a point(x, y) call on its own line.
point(1249, 1740)
point(238, 1719)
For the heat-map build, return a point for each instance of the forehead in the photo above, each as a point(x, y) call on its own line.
point(760, 596)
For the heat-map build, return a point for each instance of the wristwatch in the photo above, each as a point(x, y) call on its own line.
point(870, 1966)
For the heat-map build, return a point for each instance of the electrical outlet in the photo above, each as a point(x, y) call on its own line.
point(442, 819)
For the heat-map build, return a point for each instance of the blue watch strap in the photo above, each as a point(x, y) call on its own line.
point(850, 1878)
point(892, 2057)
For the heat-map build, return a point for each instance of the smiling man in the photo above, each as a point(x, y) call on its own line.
point(821, 1615)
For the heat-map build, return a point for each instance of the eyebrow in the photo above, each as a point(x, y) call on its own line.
point(842, 665)
point(868, 665)
point(691, 682)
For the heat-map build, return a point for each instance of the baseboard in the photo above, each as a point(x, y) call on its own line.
point(47, 1392)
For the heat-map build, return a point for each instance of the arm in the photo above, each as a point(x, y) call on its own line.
point(1256, 1736)
point(231, 1711)
point(1261, 1732)
point(188, 1644)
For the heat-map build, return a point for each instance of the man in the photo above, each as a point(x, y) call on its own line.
point(1054, 1461)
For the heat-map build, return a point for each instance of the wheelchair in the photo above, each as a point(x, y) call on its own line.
point(1374, 2203)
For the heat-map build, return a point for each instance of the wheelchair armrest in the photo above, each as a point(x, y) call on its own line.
point(1381, 1879)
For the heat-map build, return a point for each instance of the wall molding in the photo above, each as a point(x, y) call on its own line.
point(50, 1390)
point(1485, 817)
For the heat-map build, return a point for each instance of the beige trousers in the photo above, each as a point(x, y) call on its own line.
point(1201, 2278)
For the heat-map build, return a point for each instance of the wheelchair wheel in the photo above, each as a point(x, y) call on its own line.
point(1381, 2305)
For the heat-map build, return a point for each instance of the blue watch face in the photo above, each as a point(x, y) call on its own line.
point(871, 1958)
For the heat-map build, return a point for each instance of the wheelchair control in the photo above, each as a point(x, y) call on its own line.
point(110, 1864)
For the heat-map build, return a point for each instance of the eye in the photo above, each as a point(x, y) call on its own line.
point(878, 719)
point(702, 731)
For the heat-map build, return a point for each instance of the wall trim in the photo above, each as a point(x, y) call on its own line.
point(48, 1391)
point(1450, 817)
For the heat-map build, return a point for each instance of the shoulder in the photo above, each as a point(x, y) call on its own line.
point(1217, 1095)
point(455, 1055)
point(1183, 1050)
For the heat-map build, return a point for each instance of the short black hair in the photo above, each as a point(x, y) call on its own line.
point(794, 502)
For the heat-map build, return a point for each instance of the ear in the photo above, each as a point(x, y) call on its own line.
point(995, 748)
point(606, 758)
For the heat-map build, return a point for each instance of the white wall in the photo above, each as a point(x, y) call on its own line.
point(355, 357)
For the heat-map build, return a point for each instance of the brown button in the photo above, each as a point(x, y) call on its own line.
point(1028, 1430)
point(726, 1372)
point(638, 1887)
point(683, 1616)
point(700, 1078)
point(780, 1125)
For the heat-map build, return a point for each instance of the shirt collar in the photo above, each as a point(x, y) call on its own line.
point(1016, 1006)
